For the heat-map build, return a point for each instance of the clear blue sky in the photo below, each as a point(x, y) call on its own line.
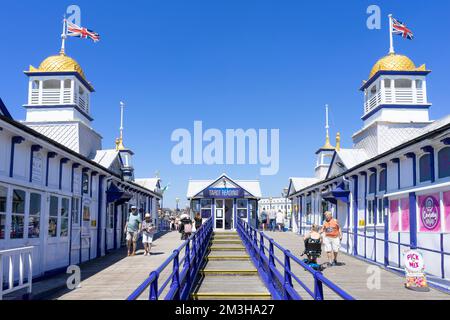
point(231, 64)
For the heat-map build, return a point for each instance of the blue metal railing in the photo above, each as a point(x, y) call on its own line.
point(184, 270)
point(280, 282)
point(163, 225)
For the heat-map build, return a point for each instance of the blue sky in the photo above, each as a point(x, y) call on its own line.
point(230, 63)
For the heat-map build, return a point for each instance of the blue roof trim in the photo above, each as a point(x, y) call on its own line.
point(4, 111)
point(64, 73)
point(395, 106)
point(387, 72)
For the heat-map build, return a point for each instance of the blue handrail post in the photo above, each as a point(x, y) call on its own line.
point(271, 261)
point(255, 242)
point(287, 275)
point(154, 287)
point(318, 287)
point(261, 250)
point(187, 266)
point(176, 276)
point(195, 252)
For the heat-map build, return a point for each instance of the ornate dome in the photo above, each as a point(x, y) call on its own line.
point(59, 63)
point(394, 62)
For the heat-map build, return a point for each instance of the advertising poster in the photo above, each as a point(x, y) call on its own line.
point(429, 213)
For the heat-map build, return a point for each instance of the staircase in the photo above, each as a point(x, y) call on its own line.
point(228, 273)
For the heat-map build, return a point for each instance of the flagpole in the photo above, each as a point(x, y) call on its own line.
point(391, 38)
point(63, 37)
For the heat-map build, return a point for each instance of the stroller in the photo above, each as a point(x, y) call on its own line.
point(313, 250)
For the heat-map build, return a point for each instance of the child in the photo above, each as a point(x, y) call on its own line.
point(149, 230)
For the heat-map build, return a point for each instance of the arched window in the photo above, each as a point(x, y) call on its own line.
point(52, 84)
point(382, 183)
point(372, 183)
point(444, 162)
point(425, 167)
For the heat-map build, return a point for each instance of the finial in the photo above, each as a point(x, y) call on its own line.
point(119, 141)
point(338, 141)
point(327, 127)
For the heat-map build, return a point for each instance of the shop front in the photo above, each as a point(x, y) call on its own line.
point(225, 201)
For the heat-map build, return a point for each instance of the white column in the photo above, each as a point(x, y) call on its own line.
point(41, 91)
point(61, 92)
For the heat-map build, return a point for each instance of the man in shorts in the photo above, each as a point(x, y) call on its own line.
point(132, 229)
point(332, 238)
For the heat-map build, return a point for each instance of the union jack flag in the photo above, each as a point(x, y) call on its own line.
point(401, 29)
point(76, 31)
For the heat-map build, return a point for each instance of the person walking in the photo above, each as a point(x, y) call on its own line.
point(272, 219)
point(148, 231)
point(132, 229)
point(332, 239)
point(198, 221)
point(280, 220)
point(263, 219)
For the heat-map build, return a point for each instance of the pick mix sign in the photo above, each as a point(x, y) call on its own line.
point(430, 213)
point(415, 271)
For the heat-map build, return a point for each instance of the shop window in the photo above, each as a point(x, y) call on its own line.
point(3, 201)
point(85, 183)
point(404, 206)
point(444, 162)
point(76, 211)
point(206, 207)
point(18, 215)
point(241, 208)
point(394, 218)
point(64, 217)
point(34, 215)
point(110, 216)
point(425, 168)
point(383, 181)
point(53, 217)
point(372, 183)
point(370, 212)
point(380, 212)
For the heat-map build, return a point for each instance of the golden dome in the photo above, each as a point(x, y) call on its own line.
point(395, 62)
point(59, 63)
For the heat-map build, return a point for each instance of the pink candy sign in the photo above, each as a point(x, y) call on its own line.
point(394, 218)
point(404, 203)
point(447, 210)
point(429, 213)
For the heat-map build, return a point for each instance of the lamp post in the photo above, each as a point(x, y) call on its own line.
point(177, 200)
point(284, 194)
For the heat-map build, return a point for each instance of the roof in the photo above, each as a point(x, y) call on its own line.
point(352, 157)
point(301, 183)
point(106, 157)
point(148, 183)
point(251, 186)
point(3, 110)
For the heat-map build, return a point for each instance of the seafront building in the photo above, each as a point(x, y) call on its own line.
point(60, 191)
point(225, 200)
point(391, 190)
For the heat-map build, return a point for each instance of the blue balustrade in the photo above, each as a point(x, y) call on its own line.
point(186, 261)
point(276, 273)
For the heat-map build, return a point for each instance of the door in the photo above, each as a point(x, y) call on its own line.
point(219, 214)
point(229, 214)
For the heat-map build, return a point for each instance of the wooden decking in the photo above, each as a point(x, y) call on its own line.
point(353, 276)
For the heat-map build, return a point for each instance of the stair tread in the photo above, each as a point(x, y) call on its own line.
point(232, 284)
point(229, 265)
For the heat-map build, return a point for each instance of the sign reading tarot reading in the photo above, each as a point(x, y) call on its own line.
point(415, 271)
point(430, 213)
point(223, 193)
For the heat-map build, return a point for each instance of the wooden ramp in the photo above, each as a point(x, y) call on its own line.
point(228, 272)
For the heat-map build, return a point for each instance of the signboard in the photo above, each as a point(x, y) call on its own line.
point(415, 271)
point(223, 193)
point(429, 213)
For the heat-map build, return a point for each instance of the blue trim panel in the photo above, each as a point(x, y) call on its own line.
point(412, 220)
point(14, 140)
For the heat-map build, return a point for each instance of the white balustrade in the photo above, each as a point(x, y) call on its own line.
point(9, 258)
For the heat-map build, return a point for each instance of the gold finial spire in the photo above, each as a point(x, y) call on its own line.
point(119, 141)
point(338, 141)
point(327, 144)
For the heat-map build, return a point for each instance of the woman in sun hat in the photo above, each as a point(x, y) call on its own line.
point(148, 230)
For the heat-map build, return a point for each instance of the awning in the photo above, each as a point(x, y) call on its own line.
point(117, 196)
point(341, 192)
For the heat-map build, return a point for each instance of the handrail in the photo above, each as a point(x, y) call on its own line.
point(184, 270)
point(280, 282)
point(23, 254)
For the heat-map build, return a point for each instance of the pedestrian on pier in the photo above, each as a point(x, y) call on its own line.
point(198, 221)
point(132, 229)
point(332, 239)
point(280, 221)
point(272, 219)
point(263, 219)
point(148, 231)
